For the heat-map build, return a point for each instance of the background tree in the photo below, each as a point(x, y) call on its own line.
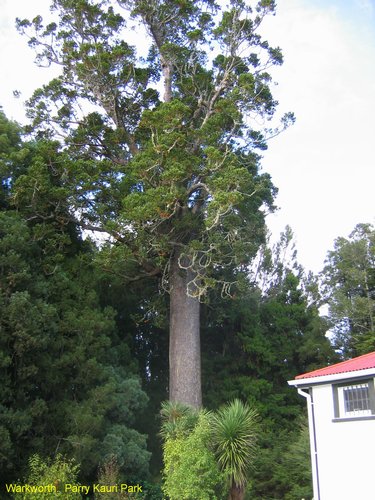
point(264, 336)
point(174, 181)
point(12, 156)
point(349, 286)
point(293, 471)
point(257, 341)
point(65, 386)
point(141, 338)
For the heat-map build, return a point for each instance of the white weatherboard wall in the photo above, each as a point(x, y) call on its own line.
point(346, 465)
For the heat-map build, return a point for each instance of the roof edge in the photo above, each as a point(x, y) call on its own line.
point(358, 363)
point(324, 379)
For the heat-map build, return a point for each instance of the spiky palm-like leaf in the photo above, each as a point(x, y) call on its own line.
point(235, 430)
point(177, 418)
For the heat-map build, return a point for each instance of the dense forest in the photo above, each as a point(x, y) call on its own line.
point(136, 267)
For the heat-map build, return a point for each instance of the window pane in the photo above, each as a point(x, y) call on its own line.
point(356, 398)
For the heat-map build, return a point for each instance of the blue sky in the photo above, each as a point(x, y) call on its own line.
point(323, 165)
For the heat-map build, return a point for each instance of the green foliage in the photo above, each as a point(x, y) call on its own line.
point(235, 432)
point(177, 419)
point(190, 468)
point(349, 286)
point(56, 473)
point(65, 362)
point(254, 343)
point(296, 465)
point(283, 465)
point(206, 453)
point(12, 156)
point(161, 175)
point(173, 181)
point(56, 355)
point(129, 446)
point(158, 176)
point(64, 384)
point(110, 474)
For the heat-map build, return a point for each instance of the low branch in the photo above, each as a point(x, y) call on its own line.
point(138, 277)
point(198, 185)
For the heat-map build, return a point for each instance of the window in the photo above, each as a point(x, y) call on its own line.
point(354, 400)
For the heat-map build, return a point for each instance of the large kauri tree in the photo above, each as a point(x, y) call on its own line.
point(159, 151)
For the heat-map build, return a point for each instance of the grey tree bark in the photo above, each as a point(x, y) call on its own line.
point(184, 339)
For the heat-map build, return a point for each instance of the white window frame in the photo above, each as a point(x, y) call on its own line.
point(356, 411)
point(341, 411)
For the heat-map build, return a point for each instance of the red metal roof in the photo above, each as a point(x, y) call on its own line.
point(351, 365)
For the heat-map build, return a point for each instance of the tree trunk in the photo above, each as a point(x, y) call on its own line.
point(236, 492)
point(184, 339)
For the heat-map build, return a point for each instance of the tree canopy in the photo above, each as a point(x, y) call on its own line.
point(64, 386)
point(349, 285)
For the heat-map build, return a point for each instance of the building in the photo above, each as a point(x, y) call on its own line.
point(341, 409)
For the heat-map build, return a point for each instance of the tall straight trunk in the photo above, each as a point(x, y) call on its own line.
point(184, 339)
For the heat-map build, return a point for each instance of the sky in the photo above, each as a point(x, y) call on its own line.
point(324, 165)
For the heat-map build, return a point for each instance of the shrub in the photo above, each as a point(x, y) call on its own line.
point(190, 467)
point(51, 475)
